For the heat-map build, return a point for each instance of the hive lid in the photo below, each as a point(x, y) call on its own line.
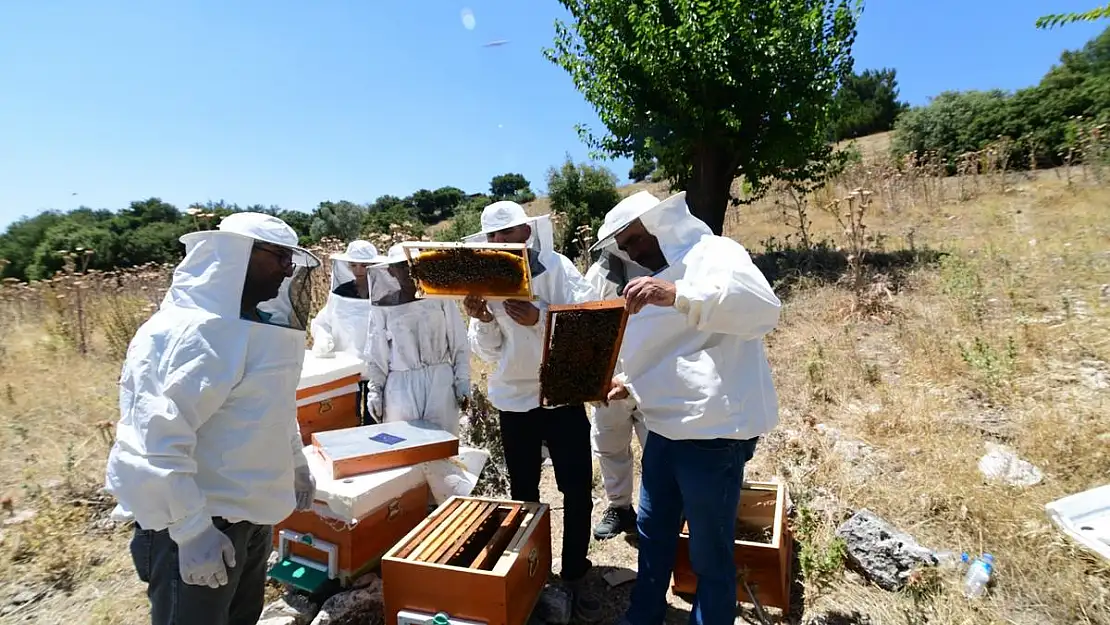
point(317, 371)
point(353, 498)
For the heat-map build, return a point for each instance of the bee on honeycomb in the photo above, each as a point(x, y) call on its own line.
point(495, 272)
point(580, 350)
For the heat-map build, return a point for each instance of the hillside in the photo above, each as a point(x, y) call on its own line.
point(979, 315)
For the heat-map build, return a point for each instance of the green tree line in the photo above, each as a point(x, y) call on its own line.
point(1050, 121)
point(147, 231)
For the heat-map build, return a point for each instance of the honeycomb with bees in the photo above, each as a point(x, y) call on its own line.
point(580, 351)
point(456, 270)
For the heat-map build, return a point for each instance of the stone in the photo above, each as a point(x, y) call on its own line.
point(278, 620)
point(836, 617)
point(554, 605)
point(362, 606)
point(1001, 464)
point(880, 552)
point(292, 606)
point(20, 517)
point(272, 560)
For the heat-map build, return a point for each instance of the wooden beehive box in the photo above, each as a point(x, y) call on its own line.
point(494, 271)
point(763, 549)
point(580, 350)
point(354, 521)
point(476, 559)
point(327, 394)
point(368, 448)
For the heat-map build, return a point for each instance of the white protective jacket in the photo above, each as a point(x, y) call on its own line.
point(341, 324)
point(417, 356)
point(698, 370)
point(208, 400)
point(516, 350)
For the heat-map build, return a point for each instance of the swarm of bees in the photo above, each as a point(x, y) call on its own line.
point(467, 270)
point(580, 355)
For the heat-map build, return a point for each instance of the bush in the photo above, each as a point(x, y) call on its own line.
point(583, 194)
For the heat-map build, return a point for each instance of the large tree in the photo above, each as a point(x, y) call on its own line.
point(714, 90)
point(867, 103)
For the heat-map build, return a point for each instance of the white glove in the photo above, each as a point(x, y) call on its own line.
point(201, 559)
point(324, 347)
point(374, 403)
point(304, 485)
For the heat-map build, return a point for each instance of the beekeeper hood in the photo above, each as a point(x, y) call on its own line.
point(251, 259)
point(504, 215)
point(669, 221)
point(389, 275)
point(344, 265)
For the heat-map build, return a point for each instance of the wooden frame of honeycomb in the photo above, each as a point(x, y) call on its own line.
point(494, 271)
point(580, 349)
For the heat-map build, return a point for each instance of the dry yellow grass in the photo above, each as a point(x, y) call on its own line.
point(925, 362)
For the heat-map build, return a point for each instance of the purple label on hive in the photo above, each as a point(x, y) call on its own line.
point(386, 438)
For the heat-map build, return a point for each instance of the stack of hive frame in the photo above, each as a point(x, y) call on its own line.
point(474, 558)
point(494, 271)
point(580, 350)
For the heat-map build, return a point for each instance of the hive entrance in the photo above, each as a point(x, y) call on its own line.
point(580, 351)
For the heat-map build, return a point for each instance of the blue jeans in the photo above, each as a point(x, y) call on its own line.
point(699, 480)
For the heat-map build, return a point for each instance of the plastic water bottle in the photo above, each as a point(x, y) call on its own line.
point(951, 559)
point(978, 576)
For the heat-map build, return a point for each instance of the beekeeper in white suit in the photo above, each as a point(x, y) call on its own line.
point(341, 324)
point(693, 361)
point(509, 335)
point(417, 355)
point(614, 423)
point(208, 455)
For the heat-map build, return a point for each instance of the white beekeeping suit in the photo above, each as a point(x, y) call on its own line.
point(341, 324)
point(613, 424)
point(723, 308)
point(517, 349)
point(417, 354)
point(208, 391)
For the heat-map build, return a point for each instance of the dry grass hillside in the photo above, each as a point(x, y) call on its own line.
point(923, 318)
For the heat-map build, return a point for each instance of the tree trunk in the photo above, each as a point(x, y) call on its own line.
point(708, 190)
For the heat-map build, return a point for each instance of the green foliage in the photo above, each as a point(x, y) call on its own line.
point(714, 90)
point(583, 193)
point(867, 103)
point(1063, 19)
point(643, 167)
point(338, 220)
point(1046, 120)
point(507, 186)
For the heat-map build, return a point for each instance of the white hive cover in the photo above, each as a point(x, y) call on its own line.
point(353, 498)
point(317, 371)
point(1085, 517)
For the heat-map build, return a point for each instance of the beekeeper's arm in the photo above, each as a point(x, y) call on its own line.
point(322, 342)
point(571, 287)
point(724, 292)
point(459, 348)
point(165, 399)
point(376, 356)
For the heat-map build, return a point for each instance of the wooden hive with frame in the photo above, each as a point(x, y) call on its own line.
point(580, 349)
point(354, 451)
point(476, 559)
point(494, 271)
point(354, 521)
point(327, 394)
point(763, 549)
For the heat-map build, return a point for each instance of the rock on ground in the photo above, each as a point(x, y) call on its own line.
point(291, 609)
point(363, 606)
point(554, 605)
point(836, 617)
point(1001, 464)
point(881, 552)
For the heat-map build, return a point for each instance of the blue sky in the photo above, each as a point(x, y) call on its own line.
point(291, 102)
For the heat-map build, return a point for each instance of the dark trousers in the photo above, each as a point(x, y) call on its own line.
point(699, 480)
point(566, 430)
point(173, 602)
